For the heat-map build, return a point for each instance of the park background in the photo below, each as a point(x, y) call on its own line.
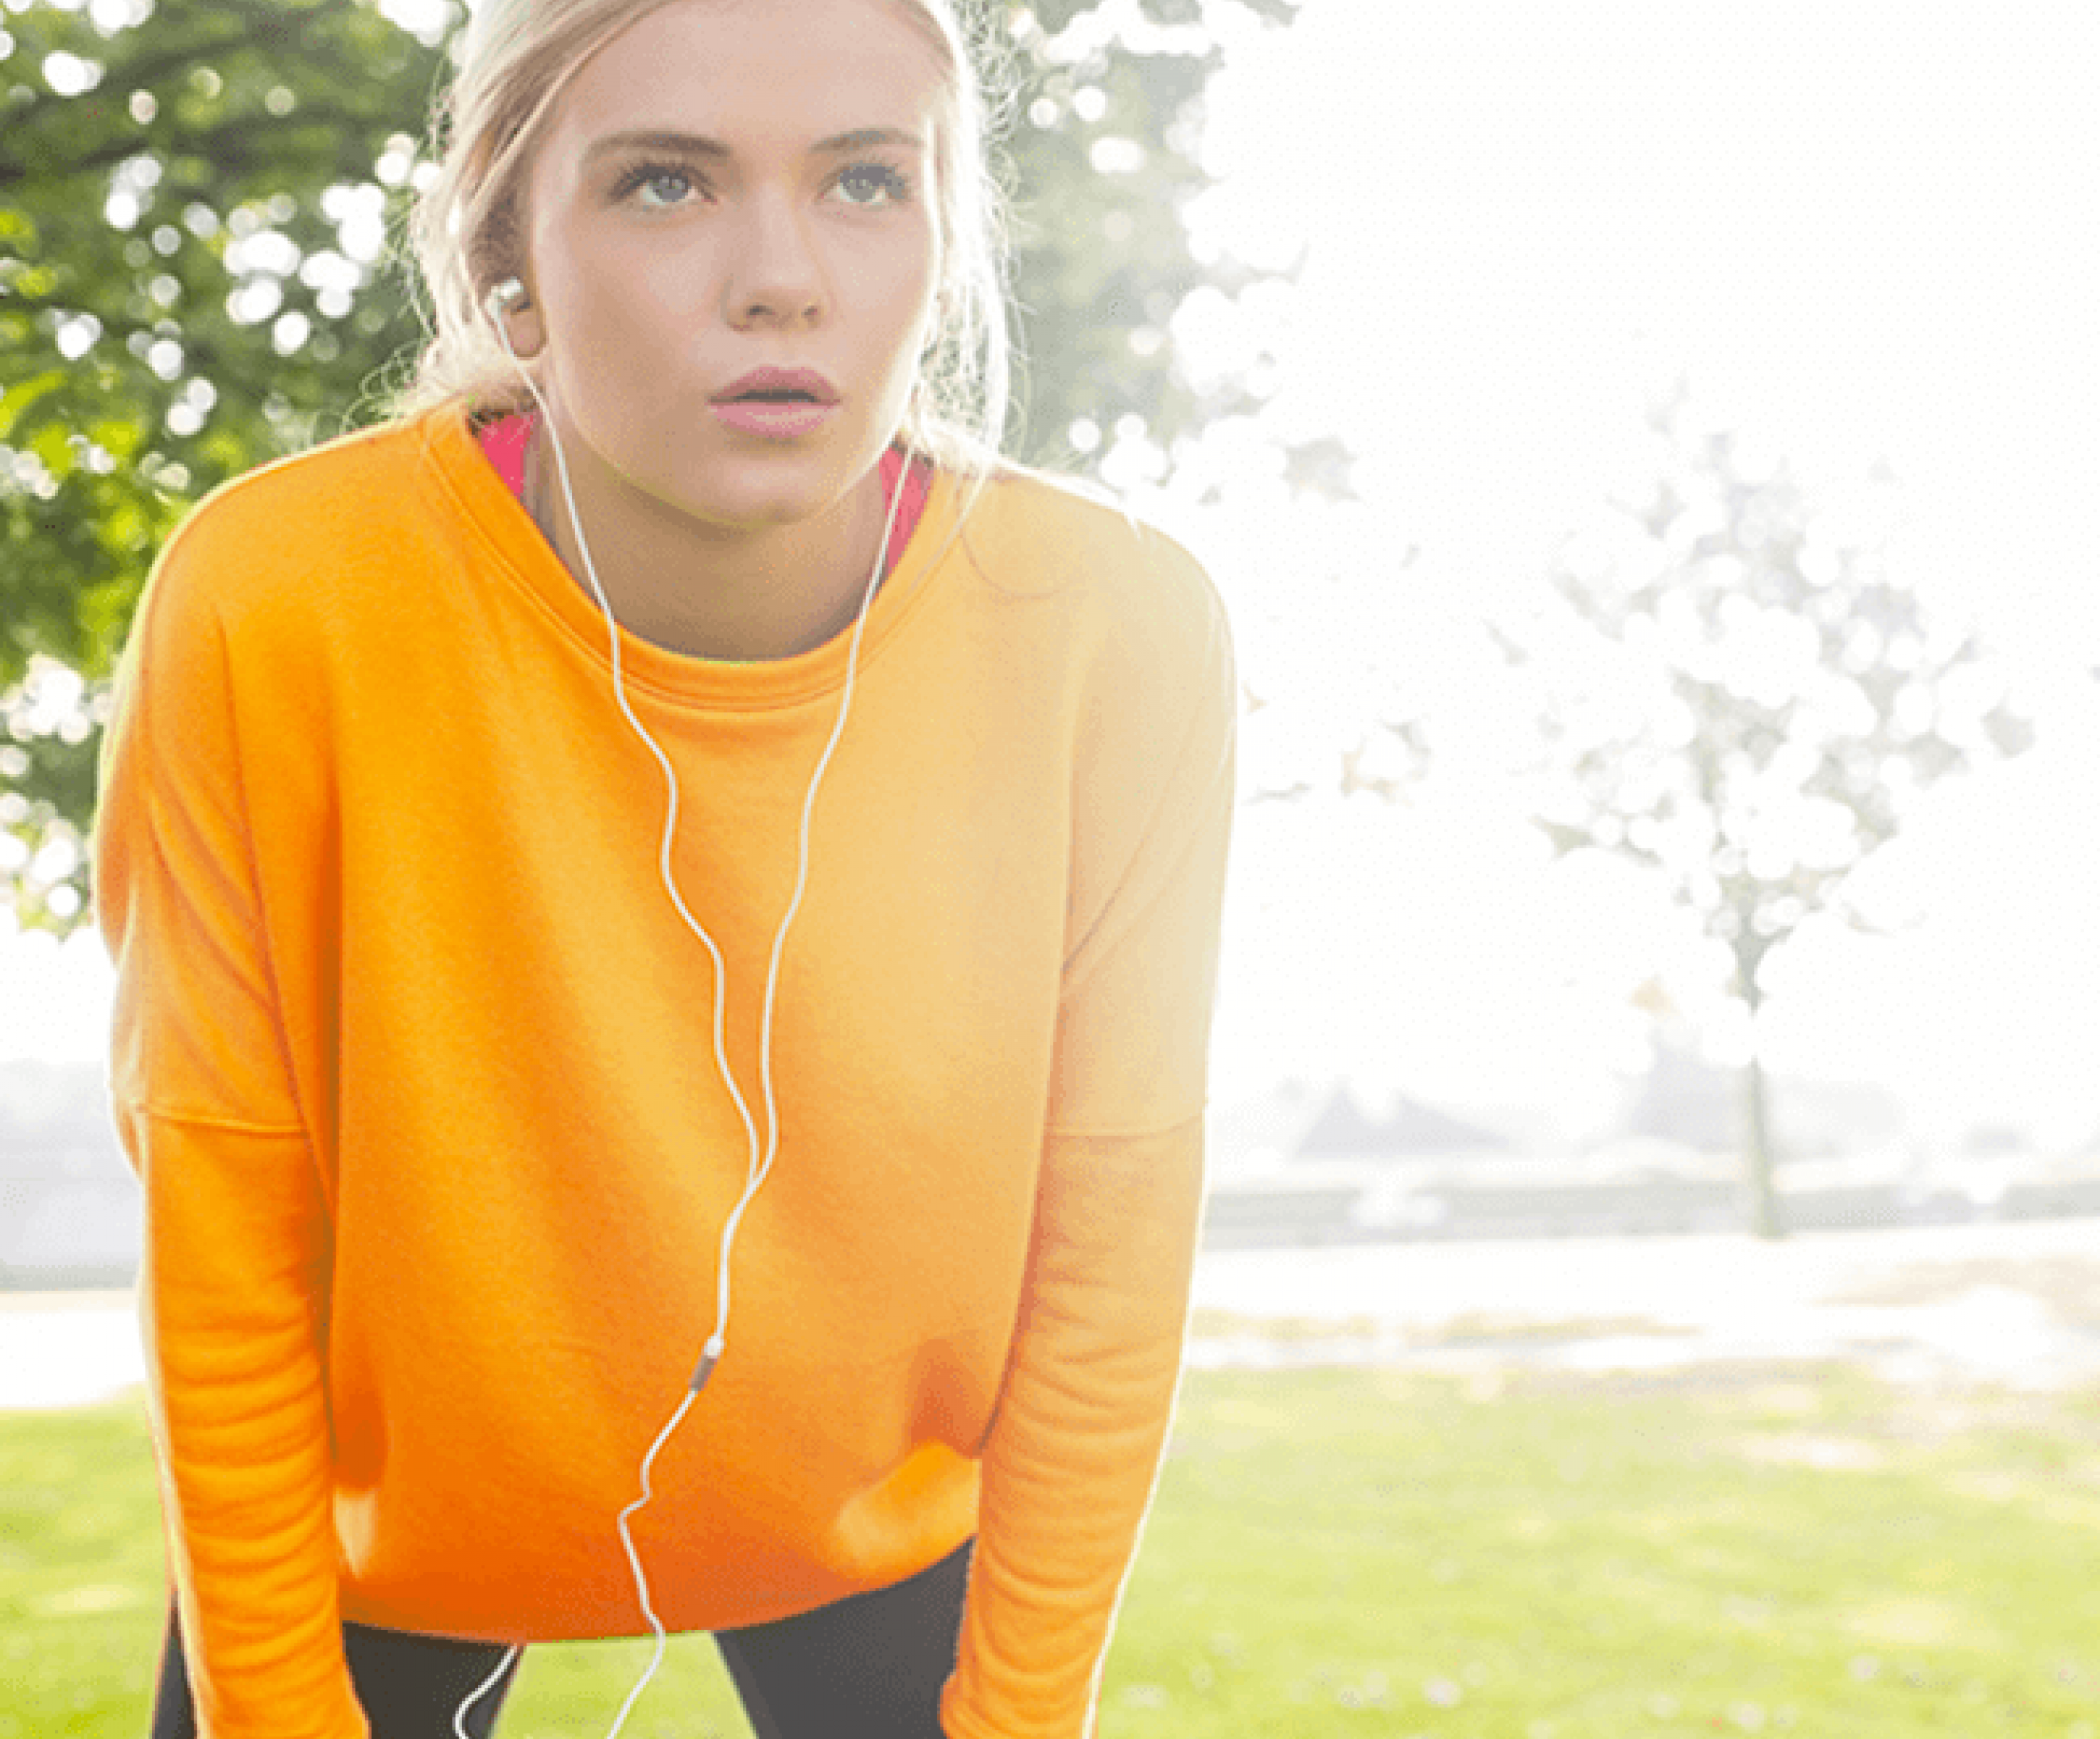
point(1447, 290)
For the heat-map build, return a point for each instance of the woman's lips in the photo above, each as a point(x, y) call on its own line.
point(774, 419)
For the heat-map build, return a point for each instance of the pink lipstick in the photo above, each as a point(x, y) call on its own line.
point(780, 404)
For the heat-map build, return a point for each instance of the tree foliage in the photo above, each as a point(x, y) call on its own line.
point(192, 205)
point(1740, 697)
point(1102, 141)
point(197, 205)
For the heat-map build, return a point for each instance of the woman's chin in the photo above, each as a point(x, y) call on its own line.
point(772, 494)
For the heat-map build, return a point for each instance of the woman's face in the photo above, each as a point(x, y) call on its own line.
point(730, 186)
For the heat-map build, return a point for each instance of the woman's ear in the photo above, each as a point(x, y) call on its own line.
point(512, 312)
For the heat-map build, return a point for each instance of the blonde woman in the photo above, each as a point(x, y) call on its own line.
point(666, 903)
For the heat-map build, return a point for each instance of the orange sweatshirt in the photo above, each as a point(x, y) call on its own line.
point(415, 1060)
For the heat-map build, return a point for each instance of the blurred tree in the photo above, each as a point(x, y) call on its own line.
point(1737, 696)
point(194, 199)
point(1109, 111)
point(197, 202)
point(1331, 692)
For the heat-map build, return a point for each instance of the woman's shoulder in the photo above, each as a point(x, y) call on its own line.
point(1137, 620)
point(313, 510)
point(1034, 534)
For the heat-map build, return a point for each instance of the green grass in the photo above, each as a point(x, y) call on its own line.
point(1339, 1553)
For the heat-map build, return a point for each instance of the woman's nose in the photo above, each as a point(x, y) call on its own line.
point(775, 277)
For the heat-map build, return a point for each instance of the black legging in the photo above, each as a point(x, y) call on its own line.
point(871, 1666)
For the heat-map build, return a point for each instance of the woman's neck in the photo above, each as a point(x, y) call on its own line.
point(738, 594)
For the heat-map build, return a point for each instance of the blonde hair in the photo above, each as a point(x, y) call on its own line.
point(467, 229)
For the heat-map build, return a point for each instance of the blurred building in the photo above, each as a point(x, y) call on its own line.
point(1308, 1164)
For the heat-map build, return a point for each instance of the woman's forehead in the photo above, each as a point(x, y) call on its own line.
point(758, 74)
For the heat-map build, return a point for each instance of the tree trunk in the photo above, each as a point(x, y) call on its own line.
point(1764, 1220)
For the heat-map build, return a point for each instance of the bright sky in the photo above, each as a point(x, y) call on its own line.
point(1864, 231)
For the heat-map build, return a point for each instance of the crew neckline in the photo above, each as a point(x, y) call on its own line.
point(528, 560)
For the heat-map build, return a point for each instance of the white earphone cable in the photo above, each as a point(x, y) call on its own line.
point(759, 1165)
point(486, 1685)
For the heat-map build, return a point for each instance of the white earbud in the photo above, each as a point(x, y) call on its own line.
point(509, 294)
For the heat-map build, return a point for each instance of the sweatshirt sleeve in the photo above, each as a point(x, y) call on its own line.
point(1074, 1450)
point(233, 1286)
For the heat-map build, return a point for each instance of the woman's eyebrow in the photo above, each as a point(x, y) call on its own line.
point(862, 138)
point(699, 145)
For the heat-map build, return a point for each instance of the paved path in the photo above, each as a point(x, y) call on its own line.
point(61, 1349)
point(2017, 1305)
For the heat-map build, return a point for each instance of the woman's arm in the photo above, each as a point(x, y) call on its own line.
point(234, 1286)
point(1073, 1452)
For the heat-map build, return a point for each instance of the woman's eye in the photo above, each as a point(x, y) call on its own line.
point(655, 185)
point(873, 185)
